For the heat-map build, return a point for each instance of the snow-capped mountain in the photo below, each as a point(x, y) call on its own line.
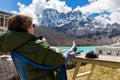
point(75, 24)
point(75, 19)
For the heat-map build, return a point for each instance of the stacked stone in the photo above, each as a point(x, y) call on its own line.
point(7, 68)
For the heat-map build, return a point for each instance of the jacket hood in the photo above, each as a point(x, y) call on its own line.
point(12, 40)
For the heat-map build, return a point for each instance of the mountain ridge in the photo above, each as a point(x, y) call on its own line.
point(75, 25)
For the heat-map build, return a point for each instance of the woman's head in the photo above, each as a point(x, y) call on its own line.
point(21, 23)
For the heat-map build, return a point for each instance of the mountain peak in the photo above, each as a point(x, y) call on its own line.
point(53, 18)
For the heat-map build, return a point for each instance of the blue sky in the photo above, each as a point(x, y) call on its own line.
point(75, 3)
point(12, 4)
point(107, 11)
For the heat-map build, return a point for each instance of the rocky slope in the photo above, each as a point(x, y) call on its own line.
point(62, 28)
point(54, 38)
point(57, 39)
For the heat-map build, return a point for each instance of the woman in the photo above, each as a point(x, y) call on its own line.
point(20, 38)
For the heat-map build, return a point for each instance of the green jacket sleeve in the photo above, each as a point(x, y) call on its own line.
point(50, 56)
point(1, 39)
point(41, 53)
point(11, 40)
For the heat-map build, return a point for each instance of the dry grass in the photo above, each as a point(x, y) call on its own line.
point(100, 73)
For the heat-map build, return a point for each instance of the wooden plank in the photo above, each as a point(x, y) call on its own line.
point(83, 74)
point(92, 69)
point(76, 70)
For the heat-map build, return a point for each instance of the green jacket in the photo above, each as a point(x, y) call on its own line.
point(34, 49)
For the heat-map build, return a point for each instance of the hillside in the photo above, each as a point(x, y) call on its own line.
point(57, 39)
point(53, 37)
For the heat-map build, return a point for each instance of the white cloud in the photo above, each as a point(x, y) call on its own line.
point(95, 6)
point(101, 6)
point(104, 18)
point(115, 17)
point(109, 18)
point(28, 10)
point(37, 6)
point(58, 5)
point(92, 0)
point(14, 12)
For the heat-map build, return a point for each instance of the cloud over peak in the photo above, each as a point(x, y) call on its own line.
point(37, 6)
point(95, 6)
point(102, 6)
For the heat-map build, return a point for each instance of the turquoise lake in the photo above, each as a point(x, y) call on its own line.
point(80, 48)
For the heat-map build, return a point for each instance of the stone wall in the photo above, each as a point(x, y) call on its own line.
point(7, 68)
